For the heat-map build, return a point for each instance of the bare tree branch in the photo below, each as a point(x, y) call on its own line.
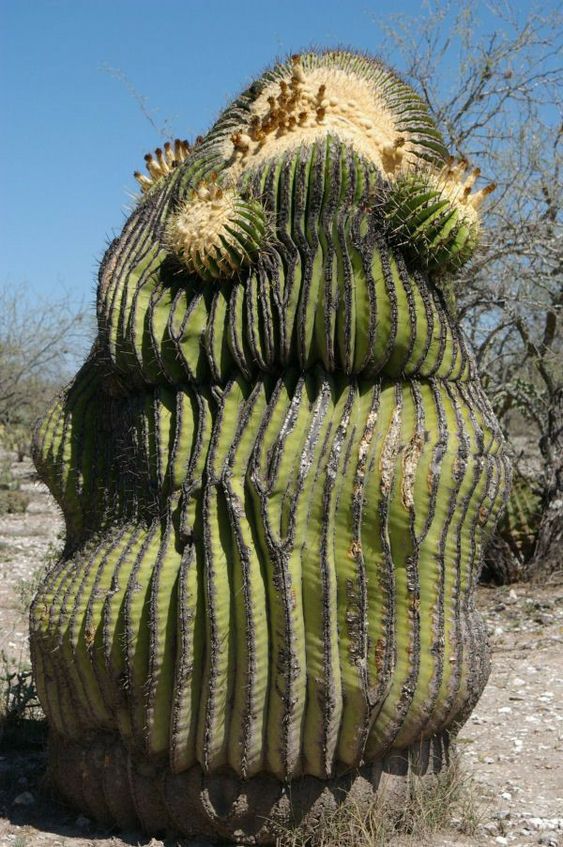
point(40, 343)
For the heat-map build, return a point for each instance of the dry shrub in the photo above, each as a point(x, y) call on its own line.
point(447, 801)
point(13, 502)
point(22, 722)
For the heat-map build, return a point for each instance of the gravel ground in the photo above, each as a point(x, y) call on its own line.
point(511, 744)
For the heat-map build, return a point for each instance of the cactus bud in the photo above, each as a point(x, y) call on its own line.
point(217, 233)
point(433, 217)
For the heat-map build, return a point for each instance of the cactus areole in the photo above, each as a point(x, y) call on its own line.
point(277, 469)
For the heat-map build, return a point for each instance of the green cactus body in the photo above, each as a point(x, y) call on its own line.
point(277, 469)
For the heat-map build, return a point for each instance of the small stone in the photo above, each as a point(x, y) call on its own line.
point(488, 760)
point(542, 619)
point(536, 823)
point(26, 798)
point(500, 839)
point(506, 795)
point(549, 840)
point(490, 828)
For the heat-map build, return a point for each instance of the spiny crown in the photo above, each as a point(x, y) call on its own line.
point(365, 107)
point(354, 98)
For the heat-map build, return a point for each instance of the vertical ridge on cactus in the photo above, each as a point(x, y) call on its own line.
point(277, 469)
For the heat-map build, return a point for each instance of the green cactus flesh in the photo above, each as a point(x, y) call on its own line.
point(433, 218)
point(277, 469)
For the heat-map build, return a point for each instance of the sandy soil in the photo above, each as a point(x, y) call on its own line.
point(511, 745)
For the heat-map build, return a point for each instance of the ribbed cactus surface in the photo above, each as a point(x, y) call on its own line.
point(277, 470)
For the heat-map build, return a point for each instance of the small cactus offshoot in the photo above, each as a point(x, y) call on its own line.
point(432, 215)
point(215, 232)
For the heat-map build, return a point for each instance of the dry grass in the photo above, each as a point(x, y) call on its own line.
point(447, 802)
point(22, 722)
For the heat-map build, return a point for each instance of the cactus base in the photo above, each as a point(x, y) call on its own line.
point(115, 786)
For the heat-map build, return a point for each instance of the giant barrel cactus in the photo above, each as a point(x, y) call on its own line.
point(277, 469)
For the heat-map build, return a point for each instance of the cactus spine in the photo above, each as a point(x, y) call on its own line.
point(277, 469)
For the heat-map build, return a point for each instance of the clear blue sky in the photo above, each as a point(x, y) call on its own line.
point(71, 134)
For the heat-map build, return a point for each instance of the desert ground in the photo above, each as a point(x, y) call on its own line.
point(510, 749)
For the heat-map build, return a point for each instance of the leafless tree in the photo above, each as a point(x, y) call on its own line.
point(41, 342)
point(496, 97)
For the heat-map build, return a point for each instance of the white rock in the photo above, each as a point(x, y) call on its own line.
point(490, 828)
point(538, 824)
